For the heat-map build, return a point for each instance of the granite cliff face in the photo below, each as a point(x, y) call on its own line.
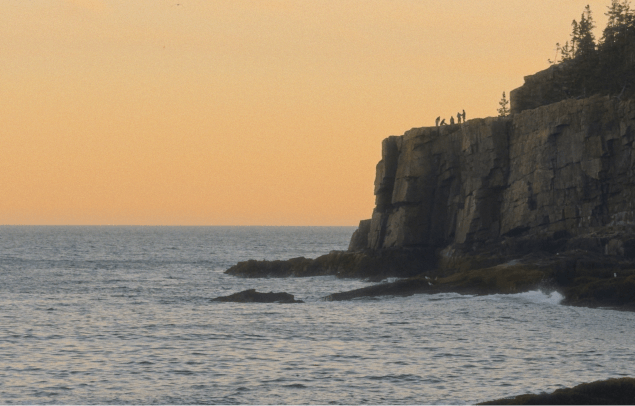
point(542, 199)
point(559, 170)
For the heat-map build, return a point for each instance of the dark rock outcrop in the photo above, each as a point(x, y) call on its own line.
point(505, 278)
point(619, 391)
point(583, 279)
point(359, 240)
point(251, 296)
point(375, 265)
point(540, 89)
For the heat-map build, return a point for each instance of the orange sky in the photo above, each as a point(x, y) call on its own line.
point(235, 112)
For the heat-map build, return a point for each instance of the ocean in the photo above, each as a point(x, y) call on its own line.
point(122, 315)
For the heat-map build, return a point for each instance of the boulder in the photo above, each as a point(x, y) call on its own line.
point(616, 391)
point(251, 296)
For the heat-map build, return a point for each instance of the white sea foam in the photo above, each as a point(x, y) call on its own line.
point(534, 296)
point(538, 296)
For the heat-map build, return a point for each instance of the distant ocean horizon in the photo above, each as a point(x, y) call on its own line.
point(122, 315)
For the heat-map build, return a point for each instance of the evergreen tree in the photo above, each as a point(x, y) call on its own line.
point(567, 51)
point(611, 31)
point(575, 37)
point(606, 68)
point(579, 80)
point(503, 110)
point(619, 24)
point(617, 49)
point(585, 39)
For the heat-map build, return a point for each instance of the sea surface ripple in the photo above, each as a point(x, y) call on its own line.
point(121, 315)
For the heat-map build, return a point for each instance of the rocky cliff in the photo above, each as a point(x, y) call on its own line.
point(563, 169)
point(540, 199)
point(541, 88)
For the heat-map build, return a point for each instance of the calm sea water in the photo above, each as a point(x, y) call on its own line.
point(123, 315)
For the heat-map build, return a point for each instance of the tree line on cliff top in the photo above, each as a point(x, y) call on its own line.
point(604, 67)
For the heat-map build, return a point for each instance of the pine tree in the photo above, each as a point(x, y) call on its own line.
point(614, 14)
point(503, 110)
point(617, 48)
point(617, 28)
point(585, 38)
point(567, 52)
point(606, 68)
point(575, 37)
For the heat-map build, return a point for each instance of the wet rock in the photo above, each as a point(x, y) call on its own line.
point(506, 278)
point(251, 296)
point(374, 265)
point(582, 278)
point(610, 392)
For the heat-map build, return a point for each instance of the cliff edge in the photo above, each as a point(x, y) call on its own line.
point(561, 170)
point(539, 199)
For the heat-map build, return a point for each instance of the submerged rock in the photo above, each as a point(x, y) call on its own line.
point(610, 392)
point(251, 296)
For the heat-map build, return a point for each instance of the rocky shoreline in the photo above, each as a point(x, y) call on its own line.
point(595, 270)
point(540, 200)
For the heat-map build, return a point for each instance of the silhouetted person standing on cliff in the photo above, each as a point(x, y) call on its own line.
point(437, 121)
point(451, 120)
point(464, 116)
point(458, 116)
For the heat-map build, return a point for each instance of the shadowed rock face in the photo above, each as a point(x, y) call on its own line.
point(251, 296)
point(582, 278)
point(375, 265)
point(561, 169)
point(540, 89)
point(434, 185)
point(550, 189)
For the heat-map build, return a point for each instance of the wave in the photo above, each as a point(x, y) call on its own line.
point(534, 296)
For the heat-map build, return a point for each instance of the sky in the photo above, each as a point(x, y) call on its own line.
point(236, 112)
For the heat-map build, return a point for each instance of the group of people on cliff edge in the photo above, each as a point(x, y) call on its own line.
point(459, 117)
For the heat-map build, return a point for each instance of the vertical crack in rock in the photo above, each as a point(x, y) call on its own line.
point(563, 167)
